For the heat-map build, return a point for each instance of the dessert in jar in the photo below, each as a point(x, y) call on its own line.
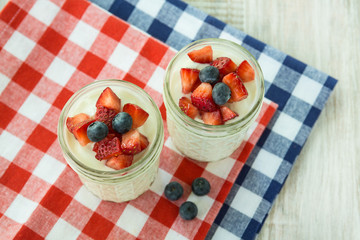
point(111, 134)
point(213, 93)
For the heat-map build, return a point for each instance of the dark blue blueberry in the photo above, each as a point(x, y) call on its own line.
point(221, 93)
point(209, 74)
point(122, 122)
point(188, 210)
point(200, 186)
point(97, 131)
point(173, 191)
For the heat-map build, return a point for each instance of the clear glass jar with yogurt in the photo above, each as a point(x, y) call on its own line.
point(106, 183)
point(192, 137)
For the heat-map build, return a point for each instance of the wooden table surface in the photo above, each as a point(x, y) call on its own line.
point(321, 197)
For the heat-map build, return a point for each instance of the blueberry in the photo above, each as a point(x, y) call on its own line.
point(200, 186)
point(122, 122)
point(209, 74)
point(97, 131)
point(173, 191)
point(188, 210)
point(221, 93)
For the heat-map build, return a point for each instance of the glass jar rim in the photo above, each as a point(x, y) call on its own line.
point(138, 165)
point(241, 122)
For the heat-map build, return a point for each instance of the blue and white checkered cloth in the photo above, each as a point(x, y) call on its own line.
point(300, 91)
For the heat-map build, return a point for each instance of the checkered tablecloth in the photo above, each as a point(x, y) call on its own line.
point(300, 91)
point(48, 50)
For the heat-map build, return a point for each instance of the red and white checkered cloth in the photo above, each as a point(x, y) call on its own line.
point(48, 50)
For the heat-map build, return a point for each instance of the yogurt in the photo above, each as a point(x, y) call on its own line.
point(192, 137)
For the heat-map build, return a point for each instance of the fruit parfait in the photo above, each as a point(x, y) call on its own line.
point(213, 92)
point(111, 135)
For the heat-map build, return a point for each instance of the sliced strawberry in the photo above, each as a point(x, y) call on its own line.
point(109, 100)
point(227, 114)
point(138, 115)
point(188, 108)
point(120, 161)
point(131, 143)
point(237, 87)
point(77, 125)
point(225, 65)
point(245, 72)
point(212, 118)
point(203, 55)
point(105, 115)
point(144, 142)
point(107, 148)
point(201, 98)
point(189, 77)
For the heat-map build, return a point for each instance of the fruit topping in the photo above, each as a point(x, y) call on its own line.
point(97, 131)
point(212, 118)
point(77, 125)
point(109, 99)
point(221, 93)
point(227, 114)
point(120, 161)
point(209, 74)
point(201, 98)
point(188, 210)
point(200, 186)
point(203, 55)
point(108, 147)
point(237, 87)
point(105, 115)
point(133, 142)
point(173, 191)
point(122, 122)
point(189, 78)
point(188, 108)
point(245, 72)
point(225, 65)
point(137, 114)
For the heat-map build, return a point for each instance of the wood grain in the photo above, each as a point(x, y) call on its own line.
point(321, 197)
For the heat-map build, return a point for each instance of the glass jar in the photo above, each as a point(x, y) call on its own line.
point(193, 138)
point(109, 184)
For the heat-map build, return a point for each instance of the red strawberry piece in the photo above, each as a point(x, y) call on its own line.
point(188, 108)
point(133, 142)
point(189, 78)
point(201, 98)
point(109, 100)
point(107, 148)
point(138, 115)
point(237, 87)
point(120, 161)
point(105, 115)
point(245, 72)
point(77, 125)
point(203, 55)
point(227, 114)
point(225, 65)
point(212, 118)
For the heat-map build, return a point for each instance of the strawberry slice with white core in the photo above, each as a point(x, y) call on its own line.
point(237, 87)
point(203, 55)
point(227, 114)
point(138, 115)
point(109, 100)
point(77, 125)
point(201, 98)
point(120, 162)
point(212, 118)
point(225, 65)
point(189, 77)
point(245, 72)
point(188, 108)
point(133, 142)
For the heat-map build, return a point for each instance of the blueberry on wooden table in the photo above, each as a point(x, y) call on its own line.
point(200, 186)
point(188, 210)
point(173, 191)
